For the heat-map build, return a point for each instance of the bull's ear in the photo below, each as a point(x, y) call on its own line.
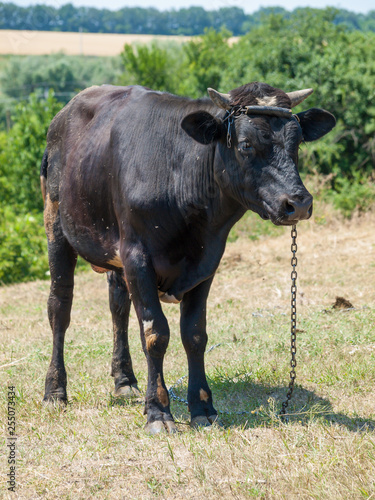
point(315, 123)
point(202, 127)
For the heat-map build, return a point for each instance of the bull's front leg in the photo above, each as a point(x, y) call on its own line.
point(194, 338)
point(196, 273)
point(142, 284)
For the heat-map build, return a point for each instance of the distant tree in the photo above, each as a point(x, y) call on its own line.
point(151, 66)
point(230, 18)
point(207, 60)
point(368, 23)
point(190, 21)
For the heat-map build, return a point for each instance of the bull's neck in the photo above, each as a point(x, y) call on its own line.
point(199, 195)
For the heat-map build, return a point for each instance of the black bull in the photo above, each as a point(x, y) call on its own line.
point(145, 186)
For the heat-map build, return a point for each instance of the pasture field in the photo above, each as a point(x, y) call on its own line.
point(36, 43)
point(96, 446)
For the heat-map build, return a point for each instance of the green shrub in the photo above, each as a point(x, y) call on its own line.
point(23, 246)
point(23, 249)
point(151, 65)
point(21, 152)
point(354, 194)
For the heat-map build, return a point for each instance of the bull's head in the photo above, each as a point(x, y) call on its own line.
point(257, 138)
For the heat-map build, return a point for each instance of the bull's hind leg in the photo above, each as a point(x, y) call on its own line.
point(62, 262)
point(194, 339)
point(122, 369)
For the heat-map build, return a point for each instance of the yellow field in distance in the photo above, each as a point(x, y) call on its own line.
point(35, 43)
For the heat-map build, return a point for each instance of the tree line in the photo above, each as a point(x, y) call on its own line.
point(136, 20)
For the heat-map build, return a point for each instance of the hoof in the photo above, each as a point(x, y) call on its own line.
point(214, 420)
point(171, 427)
point(127, 391)
point(54, 402)
point(201, 421)
point(156, 427)
point(159, 427)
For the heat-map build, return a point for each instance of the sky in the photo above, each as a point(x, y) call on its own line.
point(362, 6)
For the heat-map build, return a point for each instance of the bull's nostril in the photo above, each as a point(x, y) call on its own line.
point(289, 208)
point(310, 210)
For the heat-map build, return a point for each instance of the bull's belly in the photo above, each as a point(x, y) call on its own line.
point(165, 279)
point(98, 248)
point(175, 271)
point(104, 258)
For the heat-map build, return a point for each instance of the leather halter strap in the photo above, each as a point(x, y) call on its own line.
point(258, 110)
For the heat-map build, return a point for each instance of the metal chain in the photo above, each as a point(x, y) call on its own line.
point(293, 329)
point(173, 395)
point(229, 131)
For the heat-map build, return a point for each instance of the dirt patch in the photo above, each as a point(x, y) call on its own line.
point(334, 260)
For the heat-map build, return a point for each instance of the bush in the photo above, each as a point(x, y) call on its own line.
point(356, 194)
point(151, 65)
point(23, 254)
point(23, 246)
point(21, 152)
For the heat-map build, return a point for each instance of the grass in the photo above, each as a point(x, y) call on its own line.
point(96, 446)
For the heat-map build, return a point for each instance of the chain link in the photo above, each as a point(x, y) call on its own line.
point(229, 131)
point(293, 326)
point(173, 395)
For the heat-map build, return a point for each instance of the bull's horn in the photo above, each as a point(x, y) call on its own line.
point(221, 100)
point(299, 95)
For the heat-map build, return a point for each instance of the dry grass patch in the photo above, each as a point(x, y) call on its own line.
point(96, 447)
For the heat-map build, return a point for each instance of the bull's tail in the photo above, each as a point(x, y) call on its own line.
point(43, 174)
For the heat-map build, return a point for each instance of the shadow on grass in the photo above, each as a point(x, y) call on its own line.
point(248, 404)
point(244, 403)
point(126, 402)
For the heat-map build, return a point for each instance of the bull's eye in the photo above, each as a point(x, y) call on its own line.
point(245, 148)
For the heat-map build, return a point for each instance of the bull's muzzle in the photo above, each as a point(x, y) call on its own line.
point(296, 209)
